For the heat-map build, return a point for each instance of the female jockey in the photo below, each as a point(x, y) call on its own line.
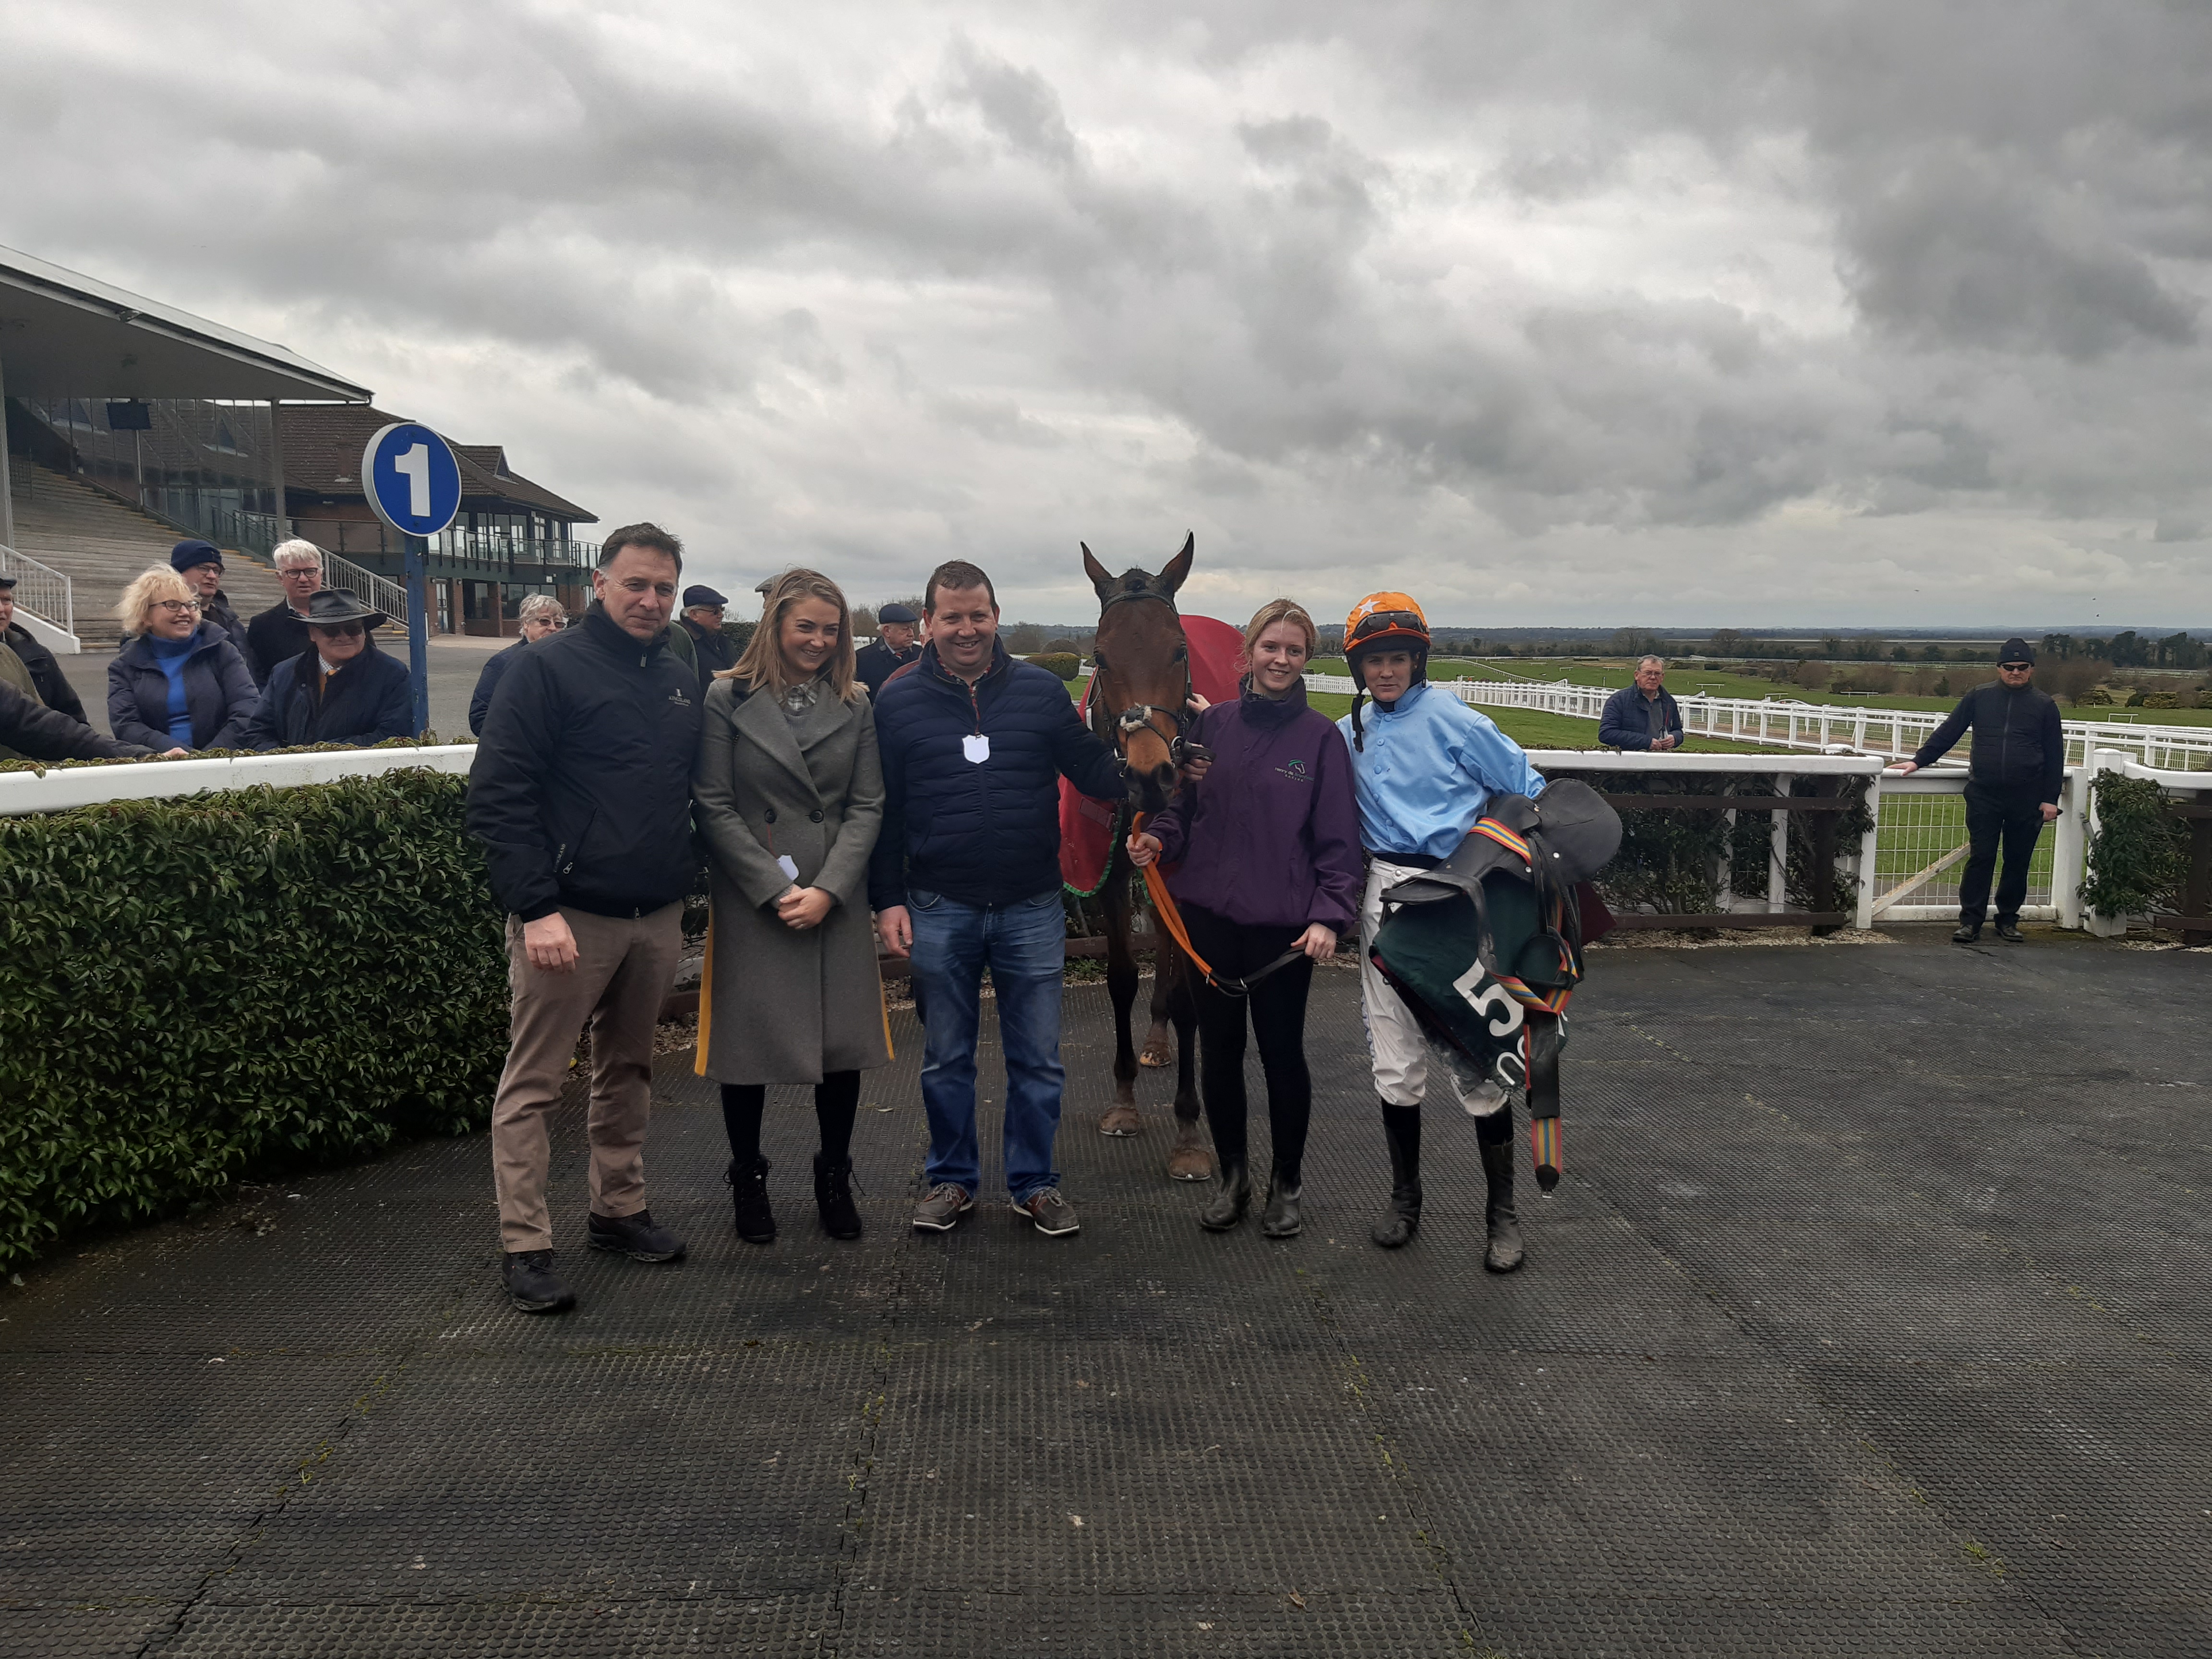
point(1269, 845)
point(1424, 767)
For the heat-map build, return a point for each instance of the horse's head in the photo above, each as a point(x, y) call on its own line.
point(1142, 678)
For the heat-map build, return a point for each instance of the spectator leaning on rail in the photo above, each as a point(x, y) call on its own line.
point(42, 676)
point(340, 689)
point(2014, 771)
point(539, 615)
point(30, 731)
point(1269, 845)
point(181, 680)
point(1644, 715)
point(711, 650)
point(790, 797)
point(200, 563)
point(892, 649)
point(966, 875)
point(280, 633)
point(1425, 769)
point(581, 794)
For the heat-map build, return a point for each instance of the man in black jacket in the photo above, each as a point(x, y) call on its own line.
point(966, 875)
point(712, 652)
point(892, 649)
point(46, 677)
point(1644, 715)
point(581, 794)
point(2017, 767)
point(280, 633)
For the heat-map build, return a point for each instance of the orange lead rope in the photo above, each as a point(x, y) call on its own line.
point(1163, 902)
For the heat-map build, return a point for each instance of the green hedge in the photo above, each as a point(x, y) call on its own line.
point(225, 985)
point(1066, 664)
point(2138, 858)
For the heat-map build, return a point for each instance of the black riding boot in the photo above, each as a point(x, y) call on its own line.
point(1401, 1125)
point(1504, 1253)
point(1282, 1219)
point(833, 1196)
point(749, 1197)
point(1230, 1202)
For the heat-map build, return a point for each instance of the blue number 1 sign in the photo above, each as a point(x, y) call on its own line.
point(414, 484)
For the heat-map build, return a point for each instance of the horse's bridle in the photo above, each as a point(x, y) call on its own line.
point(1138, 716)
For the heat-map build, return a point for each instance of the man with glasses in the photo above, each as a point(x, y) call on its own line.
point(539, 615)
point(200, 563)
point(280, 631)
point(2015, 767)
point(340, 689)
point(712, 652)
point(581, 794)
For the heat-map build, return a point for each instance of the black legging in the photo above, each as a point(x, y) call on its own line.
point(1277, 1006)
point(836, 1104)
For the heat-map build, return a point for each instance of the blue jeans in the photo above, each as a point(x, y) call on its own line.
point(1023, 946)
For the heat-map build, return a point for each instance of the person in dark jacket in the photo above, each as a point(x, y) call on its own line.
point(46, 674)
point(340, 689)
point(280, 633)
point(892, 649)
point(200, 563)
point(712, 652)
point(1642, 715)
point(2016, 770)
point(29, 730)
point(180, 682)
point(1269, 845)
point(581, 794)
point(966, 875)
point(539, 615)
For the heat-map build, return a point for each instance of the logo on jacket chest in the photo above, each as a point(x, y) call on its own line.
point(678, 697)
point(1296, 771)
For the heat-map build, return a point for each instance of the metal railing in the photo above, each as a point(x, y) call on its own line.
point(385, 595)
point(352, 537)
point(1785, 723)
point(41, 589)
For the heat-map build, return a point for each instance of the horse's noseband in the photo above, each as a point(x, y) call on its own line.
point(1138, 717)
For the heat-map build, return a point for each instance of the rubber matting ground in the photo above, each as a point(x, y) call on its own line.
point(1872, 1317)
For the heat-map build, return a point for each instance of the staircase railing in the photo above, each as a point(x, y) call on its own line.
point(386, 596)
point(41, 589)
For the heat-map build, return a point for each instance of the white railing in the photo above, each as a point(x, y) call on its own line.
point(61, 787)
point(1783, 722)
point(384, 594)
point(44, 590)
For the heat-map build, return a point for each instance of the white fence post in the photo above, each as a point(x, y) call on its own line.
point(2070, 840)
point(1869, 858)
point(1777, 853)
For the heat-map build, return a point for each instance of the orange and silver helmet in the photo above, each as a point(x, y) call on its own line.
point(1381, 621)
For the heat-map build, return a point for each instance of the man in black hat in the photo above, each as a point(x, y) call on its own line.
point(46, 674)
point(340, 689)
point(2016, 765)
point(200, 563)
point(893, 647)
point(702, 621)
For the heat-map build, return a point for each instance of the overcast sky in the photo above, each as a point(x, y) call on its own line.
point(1578, 312)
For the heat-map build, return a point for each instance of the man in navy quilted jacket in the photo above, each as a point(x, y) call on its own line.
point(966, 875)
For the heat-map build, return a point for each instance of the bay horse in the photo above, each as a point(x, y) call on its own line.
point(1139, 702)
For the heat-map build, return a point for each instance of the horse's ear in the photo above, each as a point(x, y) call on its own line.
point(1172, 577)
point(1101, 583)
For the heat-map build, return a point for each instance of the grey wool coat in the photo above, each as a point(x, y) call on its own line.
point(776, 1006)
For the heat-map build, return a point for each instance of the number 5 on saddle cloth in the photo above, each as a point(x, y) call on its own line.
point(1487, 949)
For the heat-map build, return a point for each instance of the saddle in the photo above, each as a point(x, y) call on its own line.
point(1487, 949)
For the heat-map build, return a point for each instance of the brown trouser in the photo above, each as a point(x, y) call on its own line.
point(624, 968)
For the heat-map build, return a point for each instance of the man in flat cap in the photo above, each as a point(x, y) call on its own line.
point(2016, 766)
point(893, 648)
point(702, 621)
point(200, 563)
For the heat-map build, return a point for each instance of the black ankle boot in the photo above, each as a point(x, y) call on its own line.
point(833, 1196)
point(1282, 1219)
point(749, 1197)
point(1401, 1127)
point(1230, 1200)
point(1504, 1253)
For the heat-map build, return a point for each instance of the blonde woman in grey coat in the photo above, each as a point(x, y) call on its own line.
point(790, 797)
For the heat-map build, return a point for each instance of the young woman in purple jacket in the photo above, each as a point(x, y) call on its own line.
point(1269, 847)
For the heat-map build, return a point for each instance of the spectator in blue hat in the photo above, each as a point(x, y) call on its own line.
point(702, 620)
point(200, 563)
point(893, 648)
